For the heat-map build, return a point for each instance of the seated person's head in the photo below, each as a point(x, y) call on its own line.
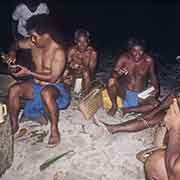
point(81, 39)
point(41, 30)
point(136, 47)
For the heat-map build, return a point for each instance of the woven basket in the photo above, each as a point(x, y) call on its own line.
point(91, 103)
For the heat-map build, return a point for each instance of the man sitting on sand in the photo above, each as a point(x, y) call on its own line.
point(82, 58)
point(45, 91)
point(164, 164)
point(133, 70)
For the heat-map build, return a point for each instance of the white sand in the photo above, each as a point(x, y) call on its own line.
point(96, 156)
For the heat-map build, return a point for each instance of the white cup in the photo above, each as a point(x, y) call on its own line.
point(78, 85)
point(3, 112)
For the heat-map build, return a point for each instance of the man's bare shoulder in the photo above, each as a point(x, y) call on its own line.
point(91, 49)
point(148, 59)
point(72, 50)
point(59, 54)
point(124, 57)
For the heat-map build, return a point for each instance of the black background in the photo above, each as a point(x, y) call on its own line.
point(111, 23)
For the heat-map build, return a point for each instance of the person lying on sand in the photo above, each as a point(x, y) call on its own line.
point(128, 78)
point(45, 90)
point(82, 58)
point(146, 120)
point(164, 164)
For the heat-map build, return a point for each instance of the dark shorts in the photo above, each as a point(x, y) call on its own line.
point(35, 108)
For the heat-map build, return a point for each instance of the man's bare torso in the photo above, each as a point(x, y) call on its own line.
point(42, 58)
point(79, 58)
point(137, 71)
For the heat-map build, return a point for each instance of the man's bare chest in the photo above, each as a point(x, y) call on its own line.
point(81, 57)
point(138, 69)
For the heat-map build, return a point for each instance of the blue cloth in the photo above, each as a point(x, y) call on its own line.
point(131, 99)
point(34, 108)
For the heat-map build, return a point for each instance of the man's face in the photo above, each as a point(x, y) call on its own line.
point(38, 40)
point(82, 43)
point(137, 52)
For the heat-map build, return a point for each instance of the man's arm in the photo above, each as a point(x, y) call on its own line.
point(56, 70)
point(153, 77)
point(20, 44)
point(172, 156)
point(70, 55)
point(118, 69)
point(92, 63)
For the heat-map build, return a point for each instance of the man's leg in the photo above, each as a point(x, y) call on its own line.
point(113, 91)
point(143, 107)
point(86, 81)
point(155, 166)
point(16, 92)
point(49, 95)
point(135, 125)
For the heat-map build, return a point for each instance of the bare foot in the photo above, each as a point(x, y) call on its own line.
point(112, 111)
point(109, 127)
point(54, 139)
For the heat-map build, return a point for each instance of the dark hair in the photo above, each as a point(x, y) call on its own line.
point(136, 42)
point(80, 32)
point(44, 24)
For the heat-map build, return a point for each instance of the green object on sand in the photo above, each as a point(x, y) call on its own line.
point(52, 160)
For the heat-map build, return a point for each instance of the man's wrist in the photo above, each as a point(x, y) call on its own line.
point(30, 73)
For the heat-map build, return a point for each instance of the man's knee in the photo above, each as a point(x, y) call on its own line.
point(14, 90)
point(48, 93)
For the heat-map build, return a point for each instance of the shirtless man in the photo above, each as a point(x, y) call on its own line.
point(82, 58)
point(129, 77)
point(45, 91)
point(165, 164)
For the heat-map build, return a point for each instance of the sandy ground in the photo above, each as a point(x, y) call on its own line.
point(96, 155)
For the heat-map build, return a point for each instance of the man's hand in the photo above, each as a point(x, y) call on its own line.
point(172, 118)
point(22, 72)
point(10, 58)
point(122, 71)
point(155, 93)
point(78, 67)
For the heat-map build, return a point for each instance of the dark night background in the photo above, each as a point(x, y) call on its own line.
point(111, 23)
